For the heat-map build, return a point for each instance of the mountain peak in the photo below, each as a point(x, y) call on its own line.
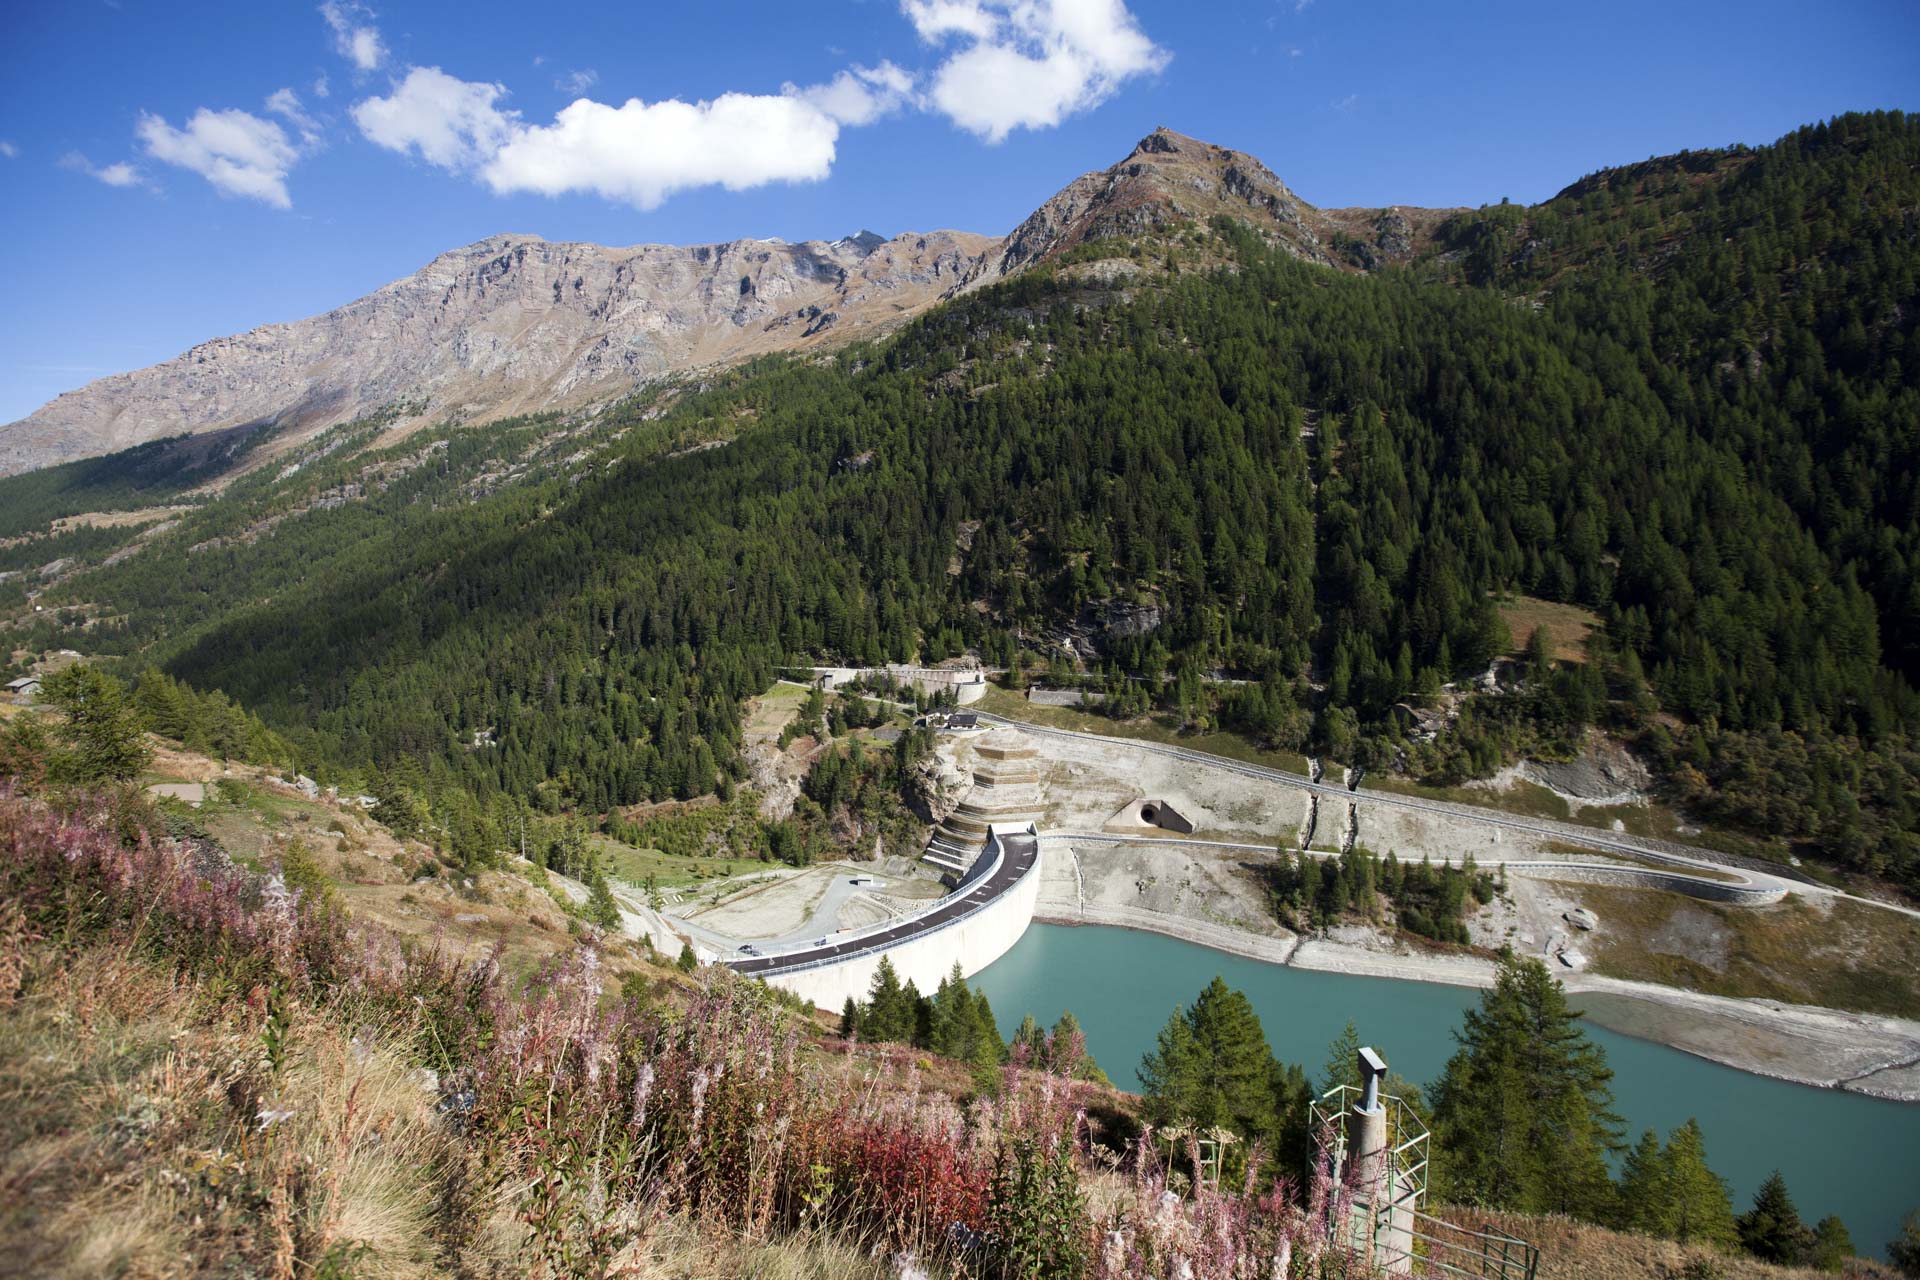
point(1168, 181)
point(1163, 141)
point(862, 241)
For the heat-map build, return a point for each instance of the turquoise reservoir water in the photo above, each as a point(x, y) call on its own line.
point(1841, 1153)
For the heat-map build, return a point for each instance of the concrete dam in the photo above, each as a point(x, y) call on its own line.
point(973, 926)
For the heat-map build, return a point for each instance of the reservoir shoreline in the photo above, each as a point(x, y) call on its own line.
point(1866, 1054)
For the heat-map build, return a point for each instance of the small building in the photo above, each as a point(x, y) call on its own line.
point(26, 688)
point(961, 720)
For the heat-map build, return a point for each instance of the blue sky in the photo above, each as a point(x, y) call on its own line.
point(173, 172)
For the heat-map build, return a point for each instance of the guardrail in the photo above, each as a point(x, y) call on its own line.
point(1439, 1245)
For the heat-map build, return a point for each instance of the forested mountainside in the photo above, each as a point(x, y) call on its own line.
point(1313, 480)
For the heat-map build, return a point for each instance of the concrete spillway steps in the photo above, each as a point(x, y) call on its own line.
point(949, 854)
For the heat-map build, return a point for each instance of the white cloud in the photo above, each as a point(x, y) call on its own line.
point(355, 38)
point(8, 150)
point(1029, 63)
point(320, 86)
point(639, 152)
point(643, 152)
point(935, 19)
point(860, 95)
point(577, 82)
point(239, 153)
point(450, 123)
point(121, 174)
point(286, 104)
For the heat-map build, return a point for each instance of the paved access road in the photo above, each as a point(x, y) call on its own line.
point(1018, 855)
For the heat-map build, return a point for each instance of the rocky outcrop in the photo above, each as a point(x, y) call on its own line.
point(934, 787)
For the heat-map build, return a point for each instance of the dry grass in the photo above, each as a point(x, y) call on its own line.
point(146, 1136)
point(1568, 625)
point(1571, 1250)
point(685, 1250)
point(771, 712)
point(1835, 953)
point(1528, 799)
point(118, 519)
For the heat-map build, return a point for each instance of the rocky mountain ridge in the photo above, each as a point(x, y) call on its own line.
point(516, 323)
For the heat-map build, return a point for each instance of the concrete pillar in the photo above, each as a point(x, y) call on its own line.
point(1383, 1208)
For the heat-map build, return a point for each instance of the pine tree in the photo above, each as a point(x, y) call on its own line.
point(1698, 1206)
point(1539, 655)
point(1638, 1201)
point(1772, 1230)
point(1067, 1035)
point(1832, 1245)
point(891, 1012)
point(102, 731)
point(1029, 1040)
point(1904, 1249)
point(1343, 1060)
point(1211, 1067)
point(1524, 1111)
point(850, 1019)
point(601, 908)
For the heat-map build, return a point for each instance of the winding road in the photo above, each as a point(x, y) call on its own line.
point(1017, 856)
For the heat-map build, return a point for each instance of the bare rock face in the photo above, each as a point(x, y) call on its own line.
point(773, 776)
point(934, 787)
point(511, 324)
